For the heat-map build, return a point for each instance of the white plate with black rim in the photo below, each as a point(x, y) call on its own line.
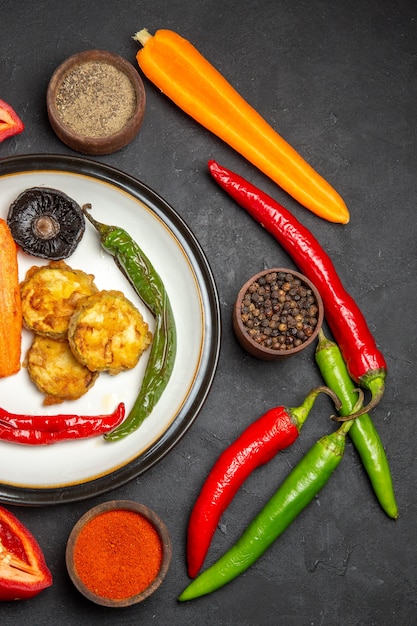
point(75, 470)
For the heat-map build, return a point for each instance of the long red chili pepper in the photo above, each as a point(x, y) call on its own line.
point(43, 429)
point(365, 362)
point(276, 430)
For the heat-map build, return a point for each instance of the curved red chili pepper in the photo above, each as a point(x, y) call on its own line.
point(45, 429)
point(276, 430)
point(365, 363)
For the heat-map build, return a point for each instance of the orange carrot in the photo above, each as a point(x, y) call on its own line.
point(179, 70)
point(10, 305)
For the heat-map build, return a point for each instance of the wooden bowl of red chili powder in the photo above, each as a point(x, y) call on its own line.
point(118, 553)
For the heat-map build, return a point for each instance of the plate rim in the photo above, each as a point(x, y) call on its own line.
point(37, 496)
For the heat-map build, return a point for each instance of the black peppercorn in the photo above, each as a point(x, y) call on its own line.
point(279, 311)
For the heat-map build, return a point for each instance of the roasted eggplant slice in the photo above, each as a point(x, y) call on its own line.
point(46, 223)
point(107, 333)
point(49, 295)
point(56, 372)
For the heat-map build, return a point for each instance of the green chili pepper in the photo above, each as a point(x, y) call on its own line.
point(147, 283)
point(299, 488)
point(363, 433)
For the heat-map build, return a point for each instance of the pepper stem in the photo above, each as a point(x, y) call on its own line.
point(300, 413)
point(348, 420)
point(102, 229)
point(357, 409)
point(377, 387)
point(324, 343)
point(374, 381)
point(142, 36)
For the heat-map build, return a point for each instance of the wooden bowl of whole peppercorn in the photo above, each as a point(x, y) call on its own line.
point(278, 313)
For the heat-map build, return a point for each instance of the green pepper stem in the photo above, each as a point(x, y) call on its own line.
point(377, 388)
point(356, 411)
point(103, 229)
point(324, 343)
point(300, 413)
point(348, 421)
point(374, 381)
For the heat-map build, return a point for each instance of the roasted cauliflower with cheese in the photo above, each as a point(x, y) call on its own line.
point(107, 333)
point(49, 296)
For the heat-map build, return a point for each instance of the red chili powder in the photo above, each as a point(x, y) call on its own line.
point(118, 554)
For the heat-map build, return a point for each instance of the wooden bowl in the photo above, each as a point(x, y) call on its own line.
point(96, 102)
point(76, 560)
point(259, 349)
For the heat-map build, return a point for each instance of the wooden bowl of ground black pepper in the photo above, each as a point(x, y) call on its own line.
point(96, 102)
point(278, 313)
point(118, 553)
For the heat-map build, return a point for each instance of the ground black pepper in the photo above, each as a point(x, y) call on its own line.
point(96, 99)
point(279, 311)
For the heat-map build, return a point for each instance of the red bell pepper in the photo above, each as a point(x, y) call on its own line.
point(10, 122)
point(23, 569)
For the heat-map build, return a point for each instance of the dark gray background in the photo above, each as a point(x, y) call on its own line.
point(338, 81)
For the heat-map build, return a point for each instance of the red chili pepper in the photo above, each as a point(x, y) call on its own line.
point(276, 430)
point(365, 362)
point(23, 570)
point(10, 122)
point(44, 429)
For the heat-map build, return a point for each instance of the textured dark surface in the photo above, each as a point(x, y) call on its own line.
point(338, 81)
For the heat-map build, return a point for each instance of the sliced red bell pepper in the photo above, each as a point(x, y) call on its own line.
point(23, 569)
point(10, 122)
